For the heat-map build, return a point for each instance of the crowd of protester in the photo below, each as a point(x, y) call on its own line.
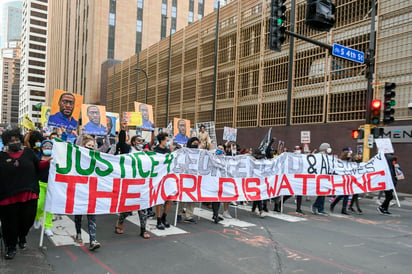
point(24, 166)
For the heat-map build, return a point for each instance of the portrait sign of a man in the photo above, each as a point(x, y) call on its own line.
point(181, 130)
point(147, 115)
point(65, 110)
point(94, 119)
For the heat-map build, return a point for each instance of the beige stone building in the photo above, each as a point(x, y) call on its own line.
point(82, 35)
point(248, 89)
point(9, 83)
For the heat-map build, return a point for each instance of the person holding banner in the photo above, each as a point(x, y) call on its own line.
point(383, 208)
point(190, 206)
point(163, 148)
point(346, 155)
point(318, 207)
point(89, 143)
point(46, 148)
point(143, 214)
point(19, 190)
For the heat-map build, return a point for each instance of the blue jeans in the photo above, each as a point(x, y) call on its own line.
point(320, 203)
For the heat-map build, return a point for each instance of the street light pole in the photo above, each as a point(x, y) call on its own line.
point(147, 82)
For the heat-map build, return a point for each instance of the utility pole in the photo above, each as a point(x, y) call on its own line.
point(369, 93)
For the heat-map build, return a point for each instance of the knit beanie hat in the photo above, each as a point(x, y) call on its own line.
point(46, 141)
point(323, 147)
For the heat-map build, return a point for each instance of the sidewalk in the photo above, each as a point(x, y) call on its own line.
point(31, 260)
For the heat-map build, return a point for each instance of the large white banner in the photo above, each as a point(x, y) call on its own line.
point(83, 181)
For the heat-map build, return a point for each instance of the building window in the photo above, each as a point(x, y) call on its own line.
point(112, 19)
point(164, 7)
point(139, 26)
point(38, 14)
point(112, 29)
point(191, 18)
point(200, 9)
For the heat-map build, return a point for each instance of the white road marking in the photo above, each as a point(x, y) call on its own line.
point(151, 227)
point(206, 214)
point(64, 231)
point(284, 217)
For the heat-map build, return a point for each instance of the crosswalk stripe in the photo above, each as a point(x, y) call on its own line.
point(64, 231)
point(206, 214)
point(151, 227)
point(284, 217)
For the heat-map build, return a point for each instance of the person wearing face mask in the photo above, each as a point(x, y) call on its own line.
point(136, 145)
point(163, 148)
point(19, 190)
point(346, 155)
point(192, 143)
point(89, 143)
point(220, 152)
point(318, 207)
point(46, 148)
point(33, 141)
point(298, 150)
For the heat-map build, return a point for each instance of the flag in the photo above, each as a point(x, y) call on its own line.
point(27, 122)
point(266, 140)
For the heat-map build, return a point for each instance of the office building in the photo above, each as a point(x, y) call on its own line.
point(10, 83)
point(10, 22)
point(33, 59)
point(83, 35)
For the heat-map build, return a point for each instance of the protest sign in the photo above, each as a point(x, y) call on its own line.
point(27, 122)
point(133, 118)
point(94, 119)
point(44, 116)
point(65, 109)
point(147, 115)
point(112, 123)
point(384, 145)
point(229, 134)
point(181, 130)
point(83, 181)
point(210, 128)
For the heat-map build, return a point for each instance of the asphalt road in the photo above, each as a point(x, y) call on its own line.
point(368, 243)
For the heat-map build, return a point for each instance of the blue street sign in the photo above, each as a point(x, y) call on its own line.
point(348, 53)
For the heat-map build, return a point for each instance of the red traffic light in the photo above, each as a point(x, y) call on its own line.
point(376, 104)
point(357, 134)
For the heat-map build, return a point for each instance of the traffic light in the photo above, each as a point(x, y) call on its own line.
point(389, 103)
point(377, 132)
point(357, 134)
point(376, 111)
point(276, 24)
point(320, 14)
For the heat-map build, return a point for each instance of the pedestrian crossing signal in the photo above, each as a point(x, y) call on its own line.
point(357, 134)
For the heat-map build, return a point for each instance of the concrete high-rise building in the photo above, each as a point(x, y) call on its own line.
point(33, 58)
point(9, 83)
point(85, 34)
point(11, 13)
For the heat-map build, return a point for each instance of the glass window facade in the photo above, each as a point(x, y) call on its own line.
point(112, 29)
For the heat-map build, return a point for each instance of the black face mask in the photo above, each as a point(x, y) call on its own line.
point(194, 146)
point(15, 147)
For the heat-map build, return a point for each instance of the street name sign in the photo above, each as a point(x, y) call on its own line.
point(348, 53)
